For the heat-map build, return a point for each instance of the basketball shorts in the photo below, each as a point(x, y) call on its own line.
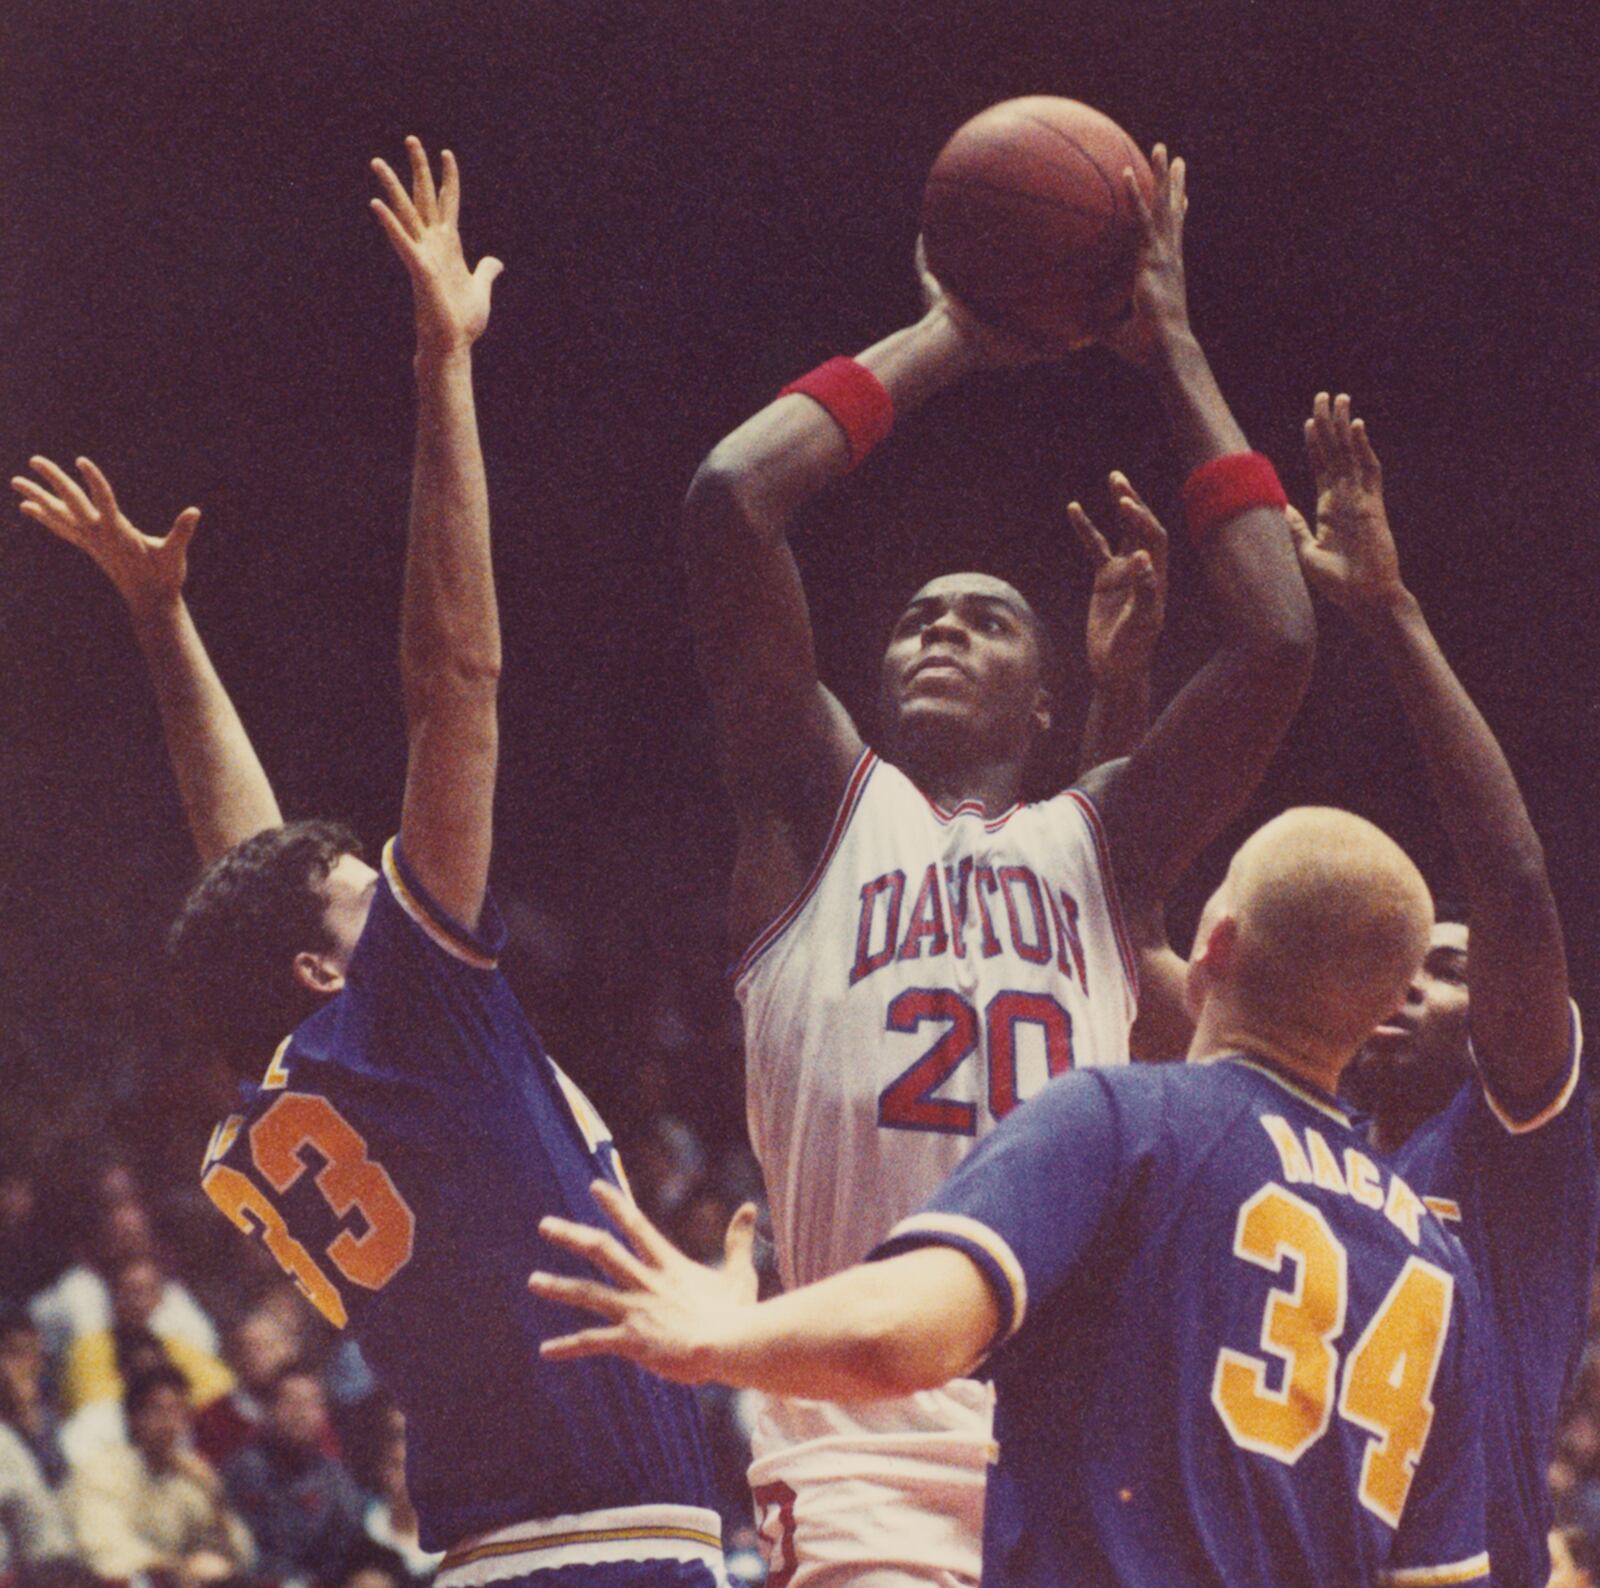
point(636, 1546)
point(880, 1495)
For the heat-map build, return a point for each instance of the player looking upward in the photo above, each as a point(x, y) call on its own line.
point(409, 1130)
point(1228, 1345)
point(1494, 1127)
point(919, 950)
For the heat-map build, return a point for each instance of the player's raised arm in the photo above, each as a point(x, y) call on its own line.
point(1127, 607)
point(1207, 751)
point(449, 625)
point(225, 792)
point(1517, 963)
point(878, 1330)
point(786, 744)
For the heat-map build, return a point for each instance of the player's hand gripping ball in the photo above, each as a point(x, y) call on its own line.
point(1027, 220)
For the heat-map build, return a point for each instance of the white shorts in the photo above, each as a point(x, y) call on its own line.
point(879, 1495)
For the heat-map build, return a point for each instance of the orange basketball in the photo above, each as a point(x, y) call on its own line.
point(1026, 218)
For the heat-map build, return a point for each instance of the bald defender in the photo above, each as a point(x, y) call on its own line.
point(1176, 1402)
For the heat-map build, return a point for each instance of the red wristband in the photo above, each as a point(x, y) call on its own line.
point(1226, 487)
point(854, 399)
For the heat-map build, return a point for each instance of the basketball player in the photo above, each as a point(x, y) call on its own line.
point(918, 950)
point(1228, 1345)
point(1494, 1128)
point(409, 1130)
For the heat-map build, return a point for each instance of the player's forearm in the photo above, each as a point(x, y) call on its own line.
point(1494, 840)
point(225, 792)
point(449, 627)
point(1117, 720)
point(792, 449)
point(855, 1336)
point(1203, 426)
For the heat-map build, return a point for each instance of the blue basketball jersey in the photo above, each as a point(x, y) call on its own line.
point(396, 1159)
point(1524, 1196)
point(1235, 1349)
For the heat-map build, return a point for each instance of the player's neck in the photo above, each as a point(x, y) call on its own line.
point(1222, 1030)
point(950, 779)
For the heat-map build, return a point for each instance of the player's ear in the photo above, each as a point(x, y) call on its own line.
point(317, 973)
point(1041, 711)
point(1211, 962)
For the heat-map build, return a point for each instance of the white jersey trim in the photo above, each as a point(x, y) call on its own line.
point(1459, 1571)
point(1108, 886)
point(626, 1533)
point(849, 800)
point(1557, 1106)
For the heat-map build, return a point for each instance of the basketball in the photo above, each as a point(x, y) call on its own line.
point(1025, 218)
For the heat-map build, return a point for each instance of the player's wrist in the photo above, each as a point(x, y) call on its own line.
point(151, 608)
point(1386, 610)
point(439, 347)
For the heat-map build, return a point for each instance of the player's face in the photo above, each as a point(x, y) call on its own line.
point(965, 654)
point(349, 889)
point(1423, 1044)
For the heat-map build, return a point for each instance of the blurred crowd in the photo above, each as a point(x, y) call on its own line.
point(172, 1413)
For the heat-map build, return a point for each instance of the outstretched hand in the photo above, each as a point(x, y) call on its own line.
point(1351, 559)
point(1128, 603)
point(665, 1312)
point(452, 301)
point(146, 570)
point(1159, 309)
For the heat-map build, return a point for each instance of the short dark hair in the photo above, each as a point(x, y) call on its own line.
point(233, 944)
point(145, 1383)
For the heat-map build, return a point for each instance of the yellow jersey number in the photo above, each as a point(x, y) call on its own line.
point(349, 1181)
point(1388, 1379)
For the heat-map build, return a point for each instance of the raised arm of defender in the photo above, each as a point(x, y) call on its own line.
point(225, 792)
point(1517, 963)
point(1207, 751)
point(449, 624)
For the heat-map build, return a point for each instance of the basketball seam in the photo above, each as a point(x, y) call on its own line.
point(1044, 199)
point(1078, 149)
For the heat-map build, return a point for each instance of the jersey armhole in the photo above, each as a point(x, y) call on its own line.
point(1108, 887)
point(480, 949)
point(973, 1239)
point(1553, 1109)
point(860, 776)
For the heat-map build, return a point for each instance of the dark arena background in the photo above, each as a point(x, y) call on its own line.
point(696, 200)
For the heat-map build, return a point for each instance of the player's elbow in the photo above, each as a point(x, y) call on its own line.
point(724, 498)
point(433, 674)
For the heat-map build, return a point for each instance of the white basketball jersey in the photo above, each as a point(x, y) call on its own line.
point(937, 968)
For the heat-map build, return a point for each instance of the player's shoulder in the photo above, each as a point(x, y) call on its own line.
point(405, 918)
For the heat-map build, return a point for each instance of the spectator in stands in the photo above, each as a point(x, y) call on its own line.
point(153, 1505)
point(101, 1423)
point(24, 1406)
point(303, 1507)
point(390, 1520)
point(79, 1302)
point(90, 1371)
point(32, 1529)
point(259, 1349)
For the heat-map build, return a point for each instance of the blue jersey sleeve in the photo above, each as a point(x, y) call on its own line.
point(1028, 1203)
point(477, 948)
point(1443, 1531)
